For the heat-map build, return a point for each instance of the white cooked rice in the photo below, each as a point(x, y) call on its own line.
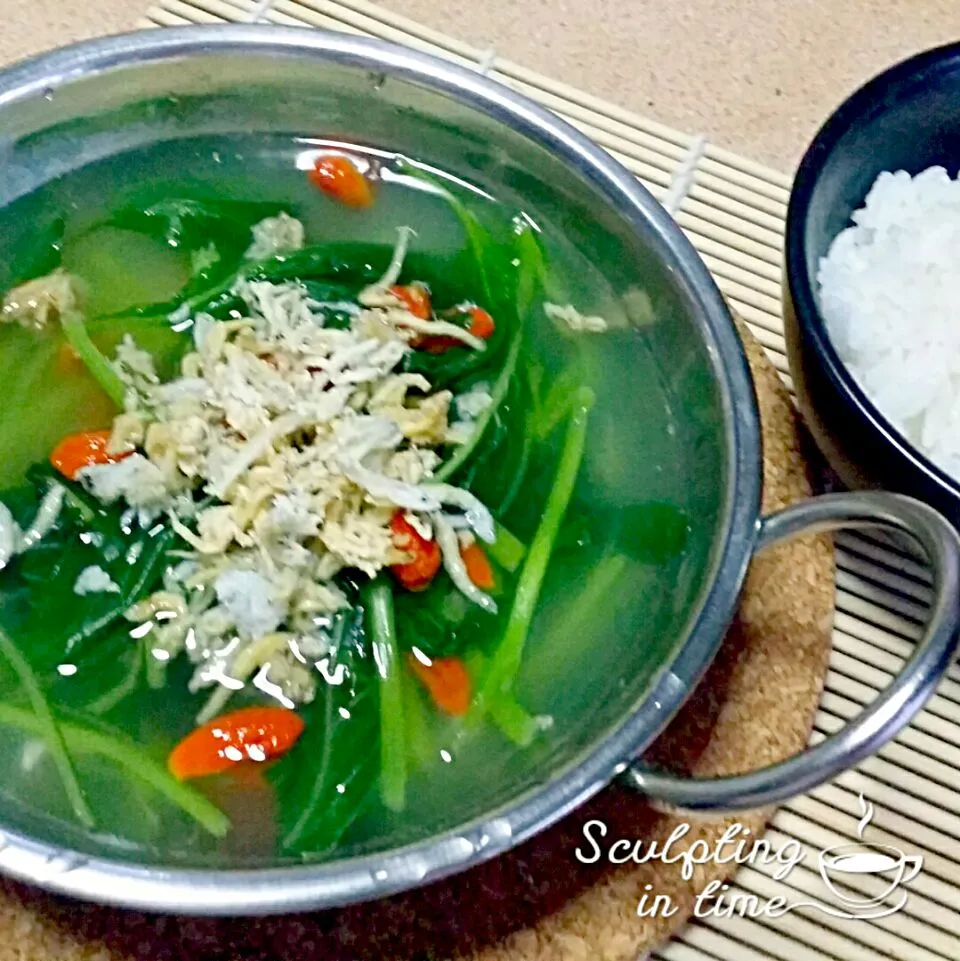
point(890, 296)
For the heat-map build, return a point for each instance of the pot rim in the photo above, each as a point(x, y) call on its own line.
point(202, 891)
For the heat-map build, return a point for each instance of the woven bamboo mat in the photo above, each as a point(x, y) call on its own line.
point(733, 210)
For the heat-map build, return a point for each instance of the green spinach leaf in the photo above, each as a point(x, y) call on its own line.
point(327, 780)
point(38, 605)
point(38, 255)
point(194, 225)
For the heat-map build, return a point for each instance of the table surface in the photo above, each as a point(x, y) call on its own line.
point(756, 76)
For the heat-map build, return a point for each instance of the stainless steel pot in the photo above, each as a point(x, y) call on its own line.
point(68, 108)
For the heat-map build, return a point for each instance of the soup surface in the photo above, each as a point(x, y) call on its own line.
point(339, 492)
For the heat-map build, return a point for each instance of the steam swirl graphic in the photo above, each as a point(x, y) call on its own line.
point(867, 808)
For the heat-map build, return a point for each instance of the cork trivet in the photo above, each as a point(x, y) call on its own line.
point(538, 903)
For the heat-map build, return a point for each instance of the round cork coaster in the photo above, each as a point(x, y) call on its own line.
point(538, 902)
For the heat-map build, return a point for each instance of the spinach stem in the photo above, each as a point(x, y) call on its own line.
point(126, 686)
point(47, 727)
point(420, 747)
point(477, 235)
point(499, 392)
point(84, 740)
point(516, 722)
point(507, 549)
point(309, 811)
point(573, 621)
point(74, 499)
point(556, 405)
point(386, 655)
point(98, 365)
point(519, 476)
point(505, 662)
point(530, 268)
point(157, 672)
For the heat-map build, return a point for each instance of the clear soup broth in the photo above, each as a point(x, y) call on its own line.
point(621, 569)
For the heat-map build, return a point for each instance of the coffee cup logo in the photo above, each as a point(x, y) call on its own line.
point(866, 880)
point(842, 866)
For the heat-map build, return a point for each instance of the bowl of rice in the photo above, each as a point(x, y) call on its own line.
point(872, 282)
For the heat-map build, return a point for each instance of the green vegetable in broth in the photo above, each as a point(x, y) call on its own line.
point(78, 338)
point(50, 729)
point(327, 780)
point(466, 450)
point(506, 549)
point(386, 656)
point(509, 651)
point(482, 245)
point(315, 535)
point(40, 608)
point(81, 740)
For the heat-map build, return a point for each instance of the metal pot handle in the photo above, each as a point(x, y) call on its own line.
point(892, 710)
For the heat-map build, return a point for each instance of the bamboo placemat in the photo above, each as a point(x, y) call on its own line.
point(733, 210)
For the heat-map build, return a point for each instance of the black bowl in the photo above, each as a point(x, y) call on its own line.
point(907, 118)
